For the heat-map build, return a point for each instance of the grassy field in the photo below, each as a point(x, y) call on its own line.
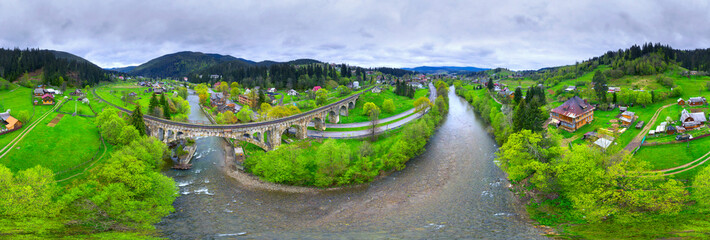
point(81, 108)
point(401, 104)
point(142, 98)
point(72, 141)
point(18, 100)
point(514, 83)
point(690, 223)
point(673, 155)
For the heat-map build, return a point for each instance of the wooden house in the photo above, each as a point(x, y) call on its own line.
point(692, 120)
point(681, 101)
point(697, 101)
point(573, 114)
point(244, 100)
point(38, 92)
point(9, 121)
point(48, 99)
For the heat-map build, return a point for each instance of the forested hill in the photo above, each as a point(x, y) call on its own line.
point(179, 64)
point(647, 59)
point(56, 67)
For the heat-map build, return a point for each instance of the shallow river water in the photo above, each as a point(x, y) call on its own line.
point(452, 191)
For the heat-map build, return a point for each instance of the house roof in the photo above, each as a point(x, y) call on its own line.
point(4, 116)
point(11, 120)
point(573, 107)
point(47, 95)
point(696, 99)
point(603, 142)
point(698, 117)
point(38, 91)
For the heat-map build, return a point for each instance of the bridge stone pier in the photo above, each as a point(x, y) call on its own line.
point(266, 135)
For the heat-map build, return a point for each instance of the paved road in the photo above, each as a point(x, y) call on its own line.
point(368, 132)
point(432, 98)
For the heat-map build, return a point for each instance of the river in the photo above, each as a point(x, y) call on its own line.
point(452, 191)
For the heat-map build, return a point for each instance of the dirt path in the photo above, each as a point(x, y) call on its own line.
point(636, 142)
point(55, 120)
point(495, 99)
point(24, 133)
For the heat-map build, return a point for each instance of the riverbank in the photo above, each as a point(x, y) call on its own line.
point(453, 190)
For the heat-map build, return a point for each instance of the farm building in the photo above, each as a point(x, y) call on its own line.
point(681, 101)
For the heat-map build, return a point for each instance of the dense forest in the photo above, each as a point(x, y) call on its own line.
point(281, 75)
point(57, 70)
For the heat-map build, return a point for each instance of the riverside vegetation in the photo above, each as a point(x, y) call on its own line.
point(583, 191)
point(342, 162)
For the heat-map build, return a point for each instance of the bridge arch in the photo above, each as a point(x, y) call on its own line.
point(343, 111)
point(318, 123)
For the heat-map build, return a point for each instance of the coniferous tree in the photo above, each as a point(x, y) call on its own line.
point(153, 103)
point(137, 120)
point(519, 117)
point(600, 86)
point(518, 95)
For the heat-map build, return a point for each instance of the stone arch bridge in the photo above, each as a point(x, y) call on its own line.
point(266, 135)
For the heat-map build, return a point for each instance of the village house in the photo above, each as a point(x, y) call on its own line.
point(271, 90)
point(507, 93)
point(38, 92)
point(570, 88)
point(217, 99)
point(132, 94)
point(48, 99)
point(376, 90)
point(9, 121)
point(356, 85)
point(573, 114)
point(681, 101)
point(697, 101)
point(613, 90)
point(692, 120)
point(316, 88)
point(292, 92)
point(244, 100)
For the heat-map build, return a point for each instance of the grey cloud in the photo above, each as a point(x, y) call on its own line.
point(511, 33)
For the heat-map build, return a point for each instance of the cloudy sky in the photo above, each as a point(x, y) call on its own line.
point(514, 34)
